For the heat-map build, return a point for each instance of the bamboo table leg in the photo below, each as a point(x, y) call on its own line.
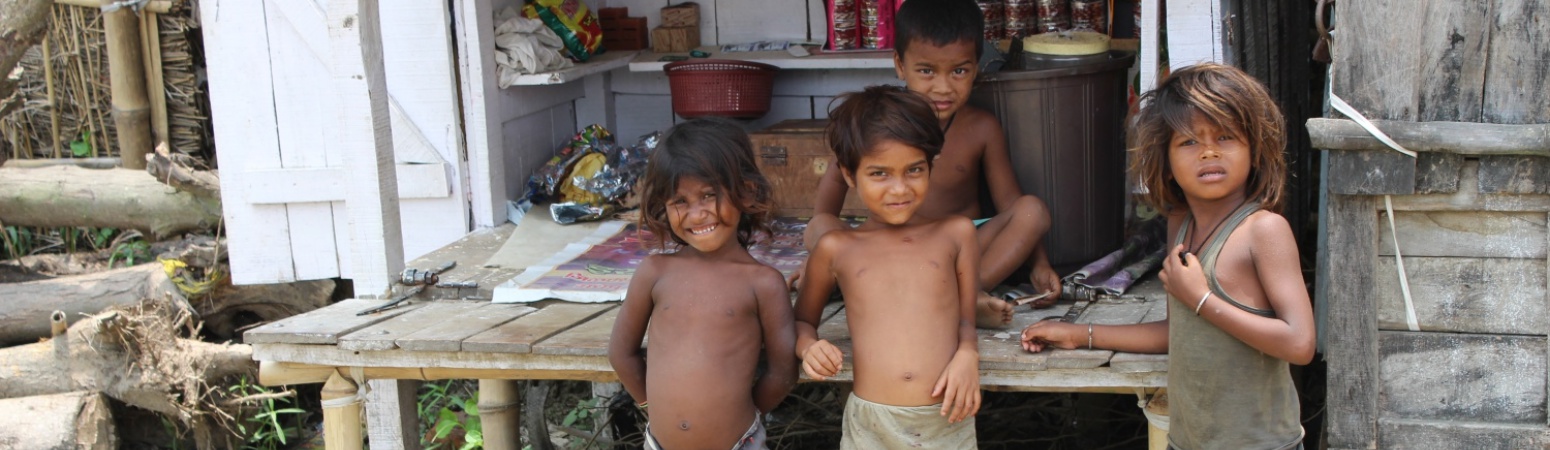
point(1156, 409)
point(500, 414)
point(341, 414)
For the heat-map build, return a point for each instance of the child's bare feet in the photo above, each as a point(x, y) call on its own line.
point(991, 312)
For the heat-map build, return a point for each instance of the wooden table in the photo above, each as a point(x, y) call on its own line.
point(553, 340)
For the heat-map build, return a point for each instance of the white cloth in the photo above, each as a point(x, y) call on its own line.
point(525, 46)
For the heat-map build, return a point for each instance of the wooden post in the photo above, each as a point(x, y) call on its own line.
point(500, 414)
point(341, 422)
point(126, 72)
point(53, 106)
point(155, 85)
point(1157, 406)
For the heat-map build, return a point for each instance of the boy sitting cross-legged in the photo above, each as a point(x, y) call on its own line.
point(909, 282)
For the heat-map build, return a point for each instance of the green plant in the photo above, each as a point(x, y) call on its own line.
point(451, 408)
point(273, 424)
point(129, 251)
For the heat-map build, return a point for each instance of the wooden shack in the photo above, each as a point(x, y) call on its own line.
point(1456, 359)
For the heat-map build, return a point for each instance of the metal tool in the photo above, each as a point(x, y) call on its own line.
point(417, 280)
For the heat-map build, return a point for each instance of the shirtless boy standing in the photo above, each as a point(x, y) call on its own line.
point(937, 55)
point(712, 309)
point(909, 284)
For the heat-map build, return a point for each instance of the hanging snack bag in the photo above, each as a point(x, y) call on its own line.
point(571, 20)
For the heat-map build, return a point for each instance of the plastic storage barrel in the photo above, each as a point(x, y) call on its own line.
point(1065, 131)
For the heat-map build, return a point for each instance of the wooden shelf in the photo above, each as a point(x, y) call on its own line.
point(649, 62)
point(601, 63)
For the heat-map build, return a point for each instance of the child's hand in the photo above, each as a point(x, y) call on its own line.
point(1051, 333)
point(1182, 276)
point(959, 387)
point(1044, 279)
point(794, 282)
point(822, 360)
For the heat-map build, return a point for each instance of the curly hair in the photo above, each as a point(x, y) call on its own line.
point(1231, 100)
point(718, 152)
point(882, 113)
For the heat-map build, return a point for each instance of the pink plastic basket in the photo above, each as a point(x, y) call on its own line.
point(720, 87)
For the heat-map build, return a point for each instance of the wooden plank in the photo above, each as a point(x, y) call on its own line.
point(1348, 258)
point(1515, 175)
point(324, 325)
point(1469, 198)
point(447, 335)
point(443, 365)
point(1477, 234)
point(1370, 173)
point(518, 336)
point(1138, 362)
point(481, 118)
point(1460, 435)
point(1438, 173)
point(1121, 311)
point(1195, 32)
point(742, 21)
point(590, 338)
point(472, 253)
point(1517, 89)
point(1465, 295)
point(243, 110)
point(381, 335)
point(1462, 138)
point(1448, 376)
point(1453, 60)
point(641, 114)
point(1374, 61)
point(1003, 349)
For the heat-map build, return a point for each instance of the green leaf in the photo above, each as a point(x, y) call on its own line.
point(82, 147)
point(569, 418)
point(471, 406)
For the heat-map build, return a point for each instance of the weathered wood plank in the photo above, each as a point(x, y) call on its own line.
point(1448, 376)
point(324, 325)
point(1477, 234)
point(1460, 435)
point(1469, 198)
point(1370, 173)
point(1352, 354)
point(1514, 175)
point(1463, 138)
point(1003, 349)
point(518, 336)
point(1375, 61)
point(589, 338)
point(471, 252)
point(1517, 89)
point(447, 335)
point(1438, 173)
point(1138, 362)
point(1465, 295)
point(381, 335)
point(1453, 60)
point(1122, 311)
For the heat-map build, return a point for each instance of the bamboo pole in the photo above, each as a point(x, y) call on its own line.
point(155, 6)
point(155, 86)
point(126, 72)
point(53, 104)
point(500, 413)
point(341, 414)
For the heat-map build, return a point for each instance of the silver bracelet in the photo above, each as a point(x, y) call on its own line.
point(1202, 302)
point(1089, 336)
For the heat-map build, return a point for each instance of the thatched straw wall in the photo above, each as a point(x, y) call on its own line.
point(82, 106)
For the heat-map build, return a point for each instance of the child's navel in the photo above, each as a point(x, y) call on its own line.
point(684, 425)
point(909, 376)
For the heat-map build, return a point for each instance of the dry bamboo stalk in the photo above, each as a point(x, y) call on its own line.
point(156, 90)
point(341, 416)
point(53, 105)
point(126, 71)
point(155, 6)
point(500, 413)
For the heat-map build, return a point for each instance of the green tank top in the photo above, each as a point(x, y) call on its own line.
point(1222, 393)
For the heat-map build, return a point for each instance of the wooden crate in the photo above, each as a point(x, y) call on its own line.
point(675, 39)
point(681, 15)
point(624, 33)
point(794, 155)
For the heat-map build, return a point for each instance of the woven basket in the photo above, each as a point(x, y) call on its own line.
point(719, 87)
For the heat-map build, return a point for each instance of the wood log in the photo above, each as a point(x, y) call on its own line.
point(123, 357)
point(24, 316)
point(118, 198)
point(194, 250)
point(69, 421)
point(177, 171)
point(1464, 138)
point(84, 163)
point(22, 23)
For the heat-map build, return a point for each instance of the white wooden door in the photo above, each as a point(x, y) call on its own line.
point(285, 182)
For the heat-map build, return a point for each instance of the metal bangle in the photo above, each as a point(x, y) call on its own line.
point(1202, 302)
point(1089, 336)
